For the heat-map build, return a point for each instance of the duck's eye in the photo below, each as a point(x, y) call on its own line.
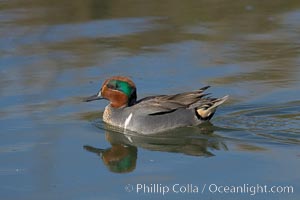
point(114, 85)
point(111, 86)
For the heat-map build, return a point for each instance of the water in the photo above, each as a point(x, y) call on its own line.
point(54, 146)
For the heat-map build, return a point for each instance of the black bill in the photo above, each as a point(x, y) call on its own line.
point(93, 98)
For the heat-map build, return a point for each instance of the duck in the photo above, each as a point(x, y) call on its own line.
point(153, 114)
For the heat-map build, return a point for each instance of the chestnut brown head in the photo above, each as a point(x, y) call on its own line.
point(119, 90)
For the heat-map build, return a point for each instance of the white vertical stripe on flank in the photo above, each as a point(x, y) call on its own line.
point(127, 120)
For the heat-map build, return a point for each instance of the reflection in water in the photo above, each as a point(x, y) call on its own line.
point(122, 155)
point(119, 158)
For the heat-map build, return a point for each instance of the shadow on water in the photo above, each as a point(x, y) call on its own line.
point(122, 155)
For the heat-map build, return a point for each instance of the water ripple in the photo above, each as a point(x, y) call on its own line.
point(58, 33)
point(276, 123)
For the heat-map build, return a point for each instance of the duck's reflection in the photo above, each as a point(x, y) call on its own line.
point(122, 155)
point(119, 158)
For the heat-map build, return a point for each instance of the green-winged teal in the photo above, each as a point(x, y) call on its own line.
point(153, 114)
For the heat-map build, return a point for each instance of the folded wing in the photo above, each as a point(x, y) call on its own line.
point(163, 104)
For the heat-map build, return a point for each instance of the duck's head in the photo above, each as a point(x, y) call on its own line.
point(119, 90)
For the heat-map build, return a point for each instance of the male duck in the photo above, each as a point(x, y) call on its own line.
point(154, 113)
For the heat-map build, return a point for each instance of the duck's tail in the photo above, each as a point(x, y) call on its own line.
point(208, 108)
